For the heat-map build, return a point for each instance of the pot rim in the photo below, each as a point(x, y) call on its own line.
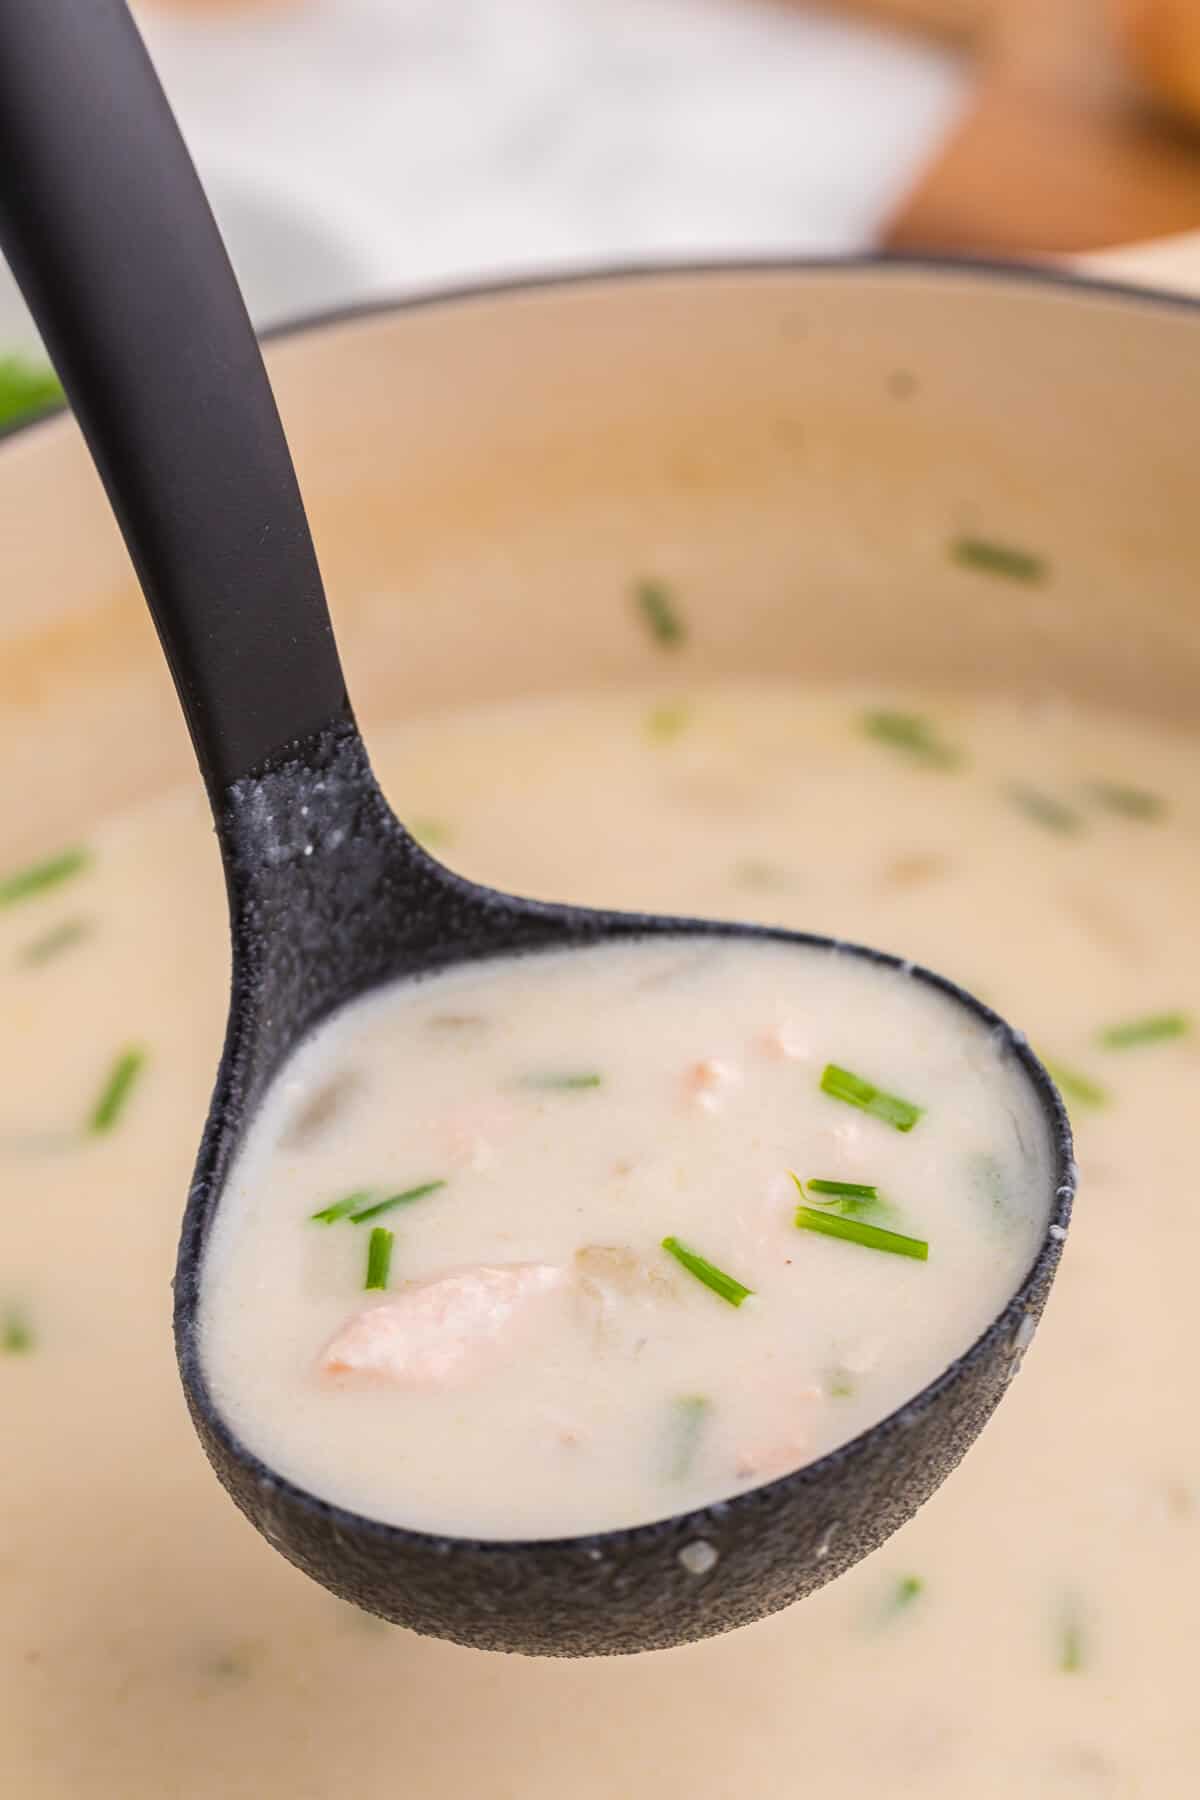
point(1054, 277)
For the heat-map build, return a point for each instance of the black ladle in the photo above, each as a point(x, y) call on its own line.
point(108, 231)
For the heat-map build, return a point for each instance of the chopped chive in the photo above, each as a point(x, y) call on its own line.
point(114, 1095)
point(431, 834)
point(404, 1199)
point(16, 1333)
point(726, 1286)
point(667, 722)
point(26, 387)
point(913, 735)
point(689, 1417)
point(340, 1209)
point(991, 558)
point(1071, 1654)
point(1129, 802)
point(840, 1084)
point(379, 1257)
point(1153, 1029)
point(52, 943)
point(1076, 1086)
point(841, 1385)
point(657, 606)
point(857, 1231)
point(569, 1082)
point(849, 1190)
point(23, 884)
point(1044, 809)
point(844, 1196)
point(906, 1590)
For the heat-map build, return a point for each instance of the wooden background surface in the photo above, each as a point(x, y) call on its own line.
point(1063, 148)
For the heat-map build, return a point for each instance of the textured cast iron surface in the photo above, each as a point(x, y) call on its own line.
point(330, 897)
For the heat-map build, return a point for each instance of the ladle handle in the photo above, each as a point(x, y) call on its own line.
point(107, 229)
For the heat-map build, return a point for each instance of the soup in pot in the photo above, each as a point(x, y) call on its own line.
point(1028, 1633)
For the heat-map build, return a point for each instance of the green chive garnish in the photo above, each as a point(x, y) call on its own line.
point(404, 1199)
point(569, 1082)
point(840, 1084)
point(991, 558)
point(1129, 802)
point(26, 388)
point(848, 1190)
point(1045, 810)
point(857, 1231)
point(341, 1209)
point(52, 943)
point(1076, 1086)
point(16, 1333)
point(379, 1257)
point(689, 1417)
point(1151, 1030)
point(114, 1095)
point(431, 834)
point(667, 722)
point(1071, 1654)
point(913, 735)
point(726, 1286)
point(844, 1196)
point(657, 607)
point(906, 1590)
point(841, 1385)
point(23, 884)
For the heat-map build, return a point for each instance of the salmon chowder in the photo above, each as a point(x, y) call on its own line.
point(1029, 1633)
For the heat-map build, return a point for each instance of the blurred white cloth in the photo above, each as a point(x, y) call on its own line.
point(357, 147)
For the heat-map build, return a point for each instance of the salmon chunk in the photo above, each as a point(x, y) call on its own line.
point(785, 1042)
point(618, 1294)
point(705, 1082)
point(432, 1331)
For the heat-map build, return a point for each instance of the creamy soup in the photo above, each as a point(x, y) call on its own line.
point(1030, 1633)
point(578, 1240)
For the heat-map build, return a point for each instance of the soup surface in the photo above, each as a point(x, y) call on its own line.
point(1030, 1633)
point(566, 1242)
